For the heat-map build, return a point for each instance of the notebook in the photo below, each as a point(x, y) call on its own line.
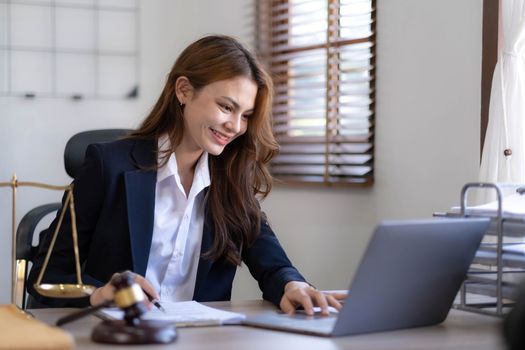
point(408, 277)
point(183, 314)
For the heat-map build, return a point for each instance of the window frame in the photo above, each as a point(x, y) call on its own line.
point(489, 58)
point(332, 142)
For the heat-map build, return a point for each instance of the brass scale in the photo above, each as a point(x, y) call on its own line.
point(132, 330)
point(49, 290)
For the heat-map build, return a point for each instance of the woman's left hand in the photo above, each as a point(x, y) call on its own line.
point(302, 294)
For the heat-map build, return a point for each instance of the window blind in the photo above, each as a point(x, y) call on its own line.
point(321, 55)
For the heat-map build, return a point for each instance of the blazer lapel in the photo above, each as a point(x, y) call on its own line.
point(140, 198)
point(204, 264)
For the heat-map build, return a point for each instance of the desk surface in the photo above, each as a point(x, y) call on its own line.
point(461, 330)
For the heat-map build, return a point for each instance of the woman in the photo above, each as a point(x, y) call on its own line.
point(176, 201)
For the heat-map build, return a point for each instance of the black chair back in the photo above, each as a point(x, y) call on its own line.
point(74, 154)
point(76, 146)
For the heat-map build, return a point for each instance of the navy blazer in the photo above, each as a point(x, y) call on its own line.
point(114, 205)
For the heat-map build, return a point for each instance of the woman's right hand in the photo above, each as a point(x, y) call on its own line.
point(107, 292)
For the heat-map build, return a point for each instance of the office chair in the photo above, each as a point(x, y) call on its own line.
point(25, 251)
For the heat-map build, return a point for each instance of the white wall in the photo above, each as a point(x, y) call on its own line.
point(33, 133)
point(427, 128)
point(427, 140)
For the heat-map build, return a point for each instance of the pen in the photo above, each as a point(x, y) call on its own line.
point(158, 306)
point(155, 302)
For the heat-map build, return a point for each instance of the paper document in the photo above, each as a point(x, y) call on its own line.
point(514, 249)
point(509, 248)
point(185, 314)
point(513, 207)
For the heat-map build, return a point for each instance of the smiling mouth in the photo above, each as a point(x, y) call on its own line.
point(220, 136)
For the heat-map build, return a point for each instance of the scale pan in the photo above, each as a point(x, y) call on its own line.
point(64, 290)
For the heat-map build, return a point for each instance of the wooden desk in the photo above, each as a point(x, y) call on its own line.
point(460, 331)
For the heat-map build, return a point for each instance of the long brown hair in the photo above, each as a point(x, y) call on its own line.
point(239, 174)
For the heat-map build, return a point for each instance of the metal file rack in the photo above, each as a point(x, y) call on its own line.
point(495, 272)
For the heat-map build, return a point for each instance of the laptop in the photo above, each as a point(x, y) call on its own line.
point(408, 277)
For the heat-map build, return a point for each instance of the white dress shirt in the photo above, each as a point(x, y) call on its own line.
point(177, 229)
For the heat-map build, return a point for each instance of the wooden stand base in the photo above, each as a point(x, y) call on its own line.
point(144, 332)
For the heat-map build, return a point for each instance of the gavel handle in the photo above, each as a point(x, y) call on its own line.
point(82, 313)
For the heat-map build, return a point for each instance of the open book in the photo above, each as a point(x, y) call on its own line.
point(184, 314)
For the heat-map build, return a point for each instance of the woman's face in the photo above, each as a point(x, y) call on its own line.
point(218, 113)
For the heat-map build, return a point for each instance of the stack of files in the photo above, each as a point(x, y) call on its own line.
point(512, 227)
point(513, 207)
point(515, 248)
point(508, 292)
point(513, 255)
point(484, 282)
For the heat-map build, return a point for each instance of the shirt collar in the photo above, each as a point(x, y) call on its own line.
point(201, 177)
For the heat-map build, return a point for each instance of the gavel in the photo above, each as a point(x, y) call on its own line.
point(130, 298)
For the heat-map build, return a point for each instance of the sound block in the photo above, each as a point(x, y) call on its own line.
point(143, 332)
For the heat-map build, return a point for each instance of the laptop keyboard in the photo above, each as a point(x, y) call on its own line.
point(299, 322)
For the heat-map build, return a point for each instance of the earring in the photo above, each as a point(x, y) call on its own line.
point(181, 104)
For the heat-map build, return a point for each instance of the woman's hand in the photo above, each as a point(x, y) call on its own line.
point(107, 292)
point(302, 294)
